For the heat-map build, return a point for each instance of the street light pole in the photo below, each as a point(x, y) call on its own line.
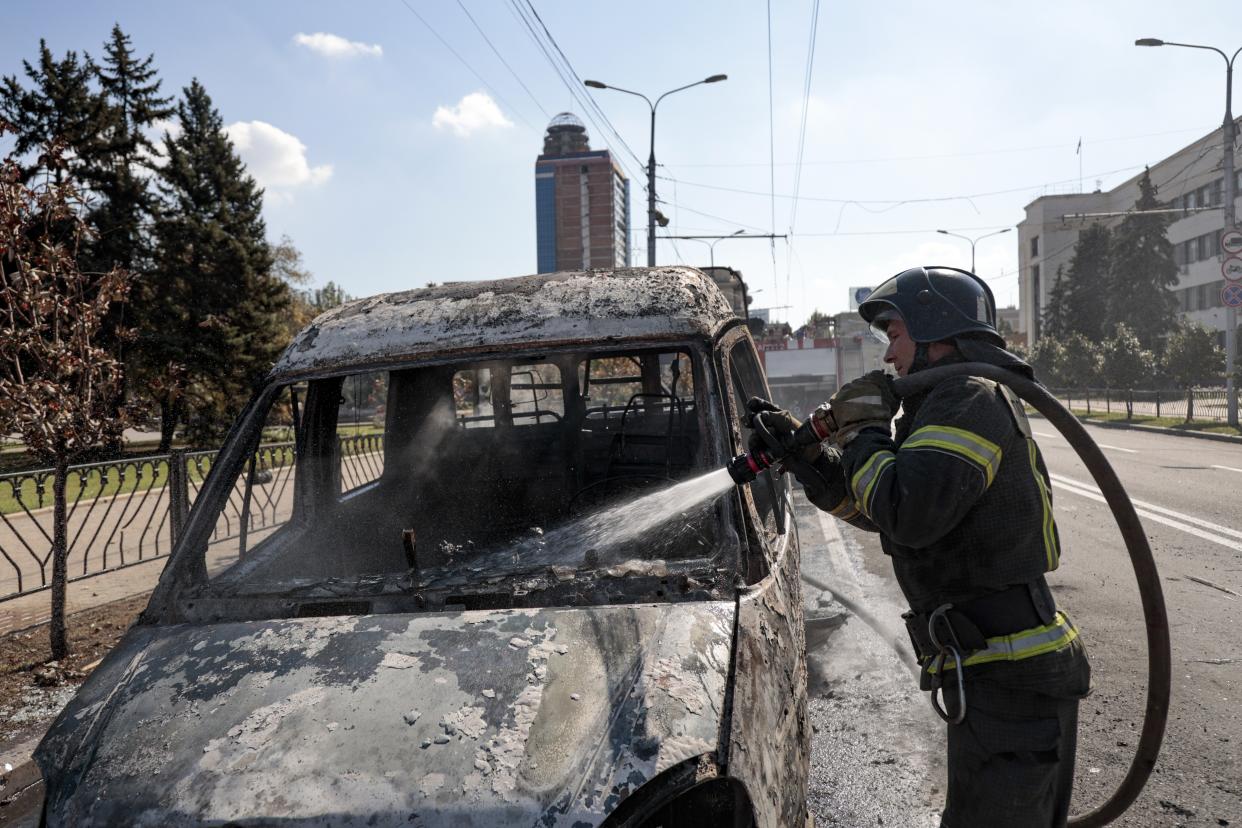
point(651, 162)
point(711, 245)
point(974, 241)
point(1229, 135)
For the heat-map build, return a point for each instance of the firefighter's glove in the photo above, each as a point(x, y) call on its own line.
point(867, 402)
point(784, 427)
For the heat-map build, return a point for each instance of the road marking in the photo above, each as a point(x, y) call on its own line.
point(1117, 448)
point(1043, 434)
point(1227, 468)
point(1159, 514)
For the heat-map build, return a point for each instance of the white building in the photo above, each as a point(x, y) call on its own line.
point(1189, 181)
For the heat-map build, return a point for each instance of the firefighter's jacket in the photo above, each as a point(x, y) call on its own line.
point(960, 496)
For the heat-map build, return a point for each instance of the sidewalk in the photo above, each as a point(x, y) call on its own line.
point(36, 608)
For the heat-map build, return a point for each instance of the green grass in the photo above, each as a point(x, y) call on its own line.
point(1176, 423)
point(138, 477)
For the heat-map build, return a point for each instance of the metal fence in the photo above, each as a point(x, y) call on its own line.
point(127, 512)
point(1193, 404)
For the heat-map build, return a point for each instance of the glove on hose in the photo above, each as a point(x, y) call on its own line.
point(867, 402)
point(782, 425)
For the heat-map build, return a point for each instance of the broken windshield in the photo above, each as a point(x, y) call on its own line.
point(463, 476)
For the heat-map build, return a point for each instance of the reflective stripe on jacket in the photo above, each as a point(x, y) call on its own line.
point(961, 496)
point(1021, 645)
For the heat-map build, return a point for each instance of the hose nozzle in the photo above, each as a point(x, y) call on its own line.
point(746, 467)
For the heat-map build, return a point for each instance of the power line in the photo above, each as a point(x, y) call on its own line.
point(900, 201)
point(501, 57)
point(574, 88)
point(771, 142)
point(806, 103)
point(576, 85)
point(466, 63)
point(939, 156)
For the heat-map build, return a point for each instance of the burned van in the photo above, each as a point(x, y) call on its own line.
point(466, 559)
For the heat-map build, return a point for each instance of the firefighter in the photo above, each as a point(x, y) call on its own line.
point(961, 498)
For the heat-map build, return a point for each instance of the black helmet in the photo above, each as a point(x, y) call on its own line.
point(936, 303)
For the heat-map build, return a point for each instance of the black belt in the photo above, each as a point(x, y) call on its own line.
point(1010, 610)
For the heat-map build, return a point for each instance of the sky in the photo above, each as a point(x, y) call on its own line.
point(396, 139)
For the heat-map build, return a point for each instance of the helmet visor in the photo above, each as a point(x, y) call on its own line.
point(879, 323)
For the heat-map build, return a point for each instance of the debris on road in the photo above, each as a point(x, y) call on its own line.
point(1208, 583)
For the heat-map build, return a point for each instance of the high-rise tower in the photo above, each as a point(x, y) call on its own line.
point(582, 202)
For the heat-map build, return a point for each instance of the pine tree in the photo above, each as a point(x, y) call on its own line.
point(132, 104)
point(1143, 272)
point(212, 308)
point(1086, 294)
point(1054, 322)
point(60, 107)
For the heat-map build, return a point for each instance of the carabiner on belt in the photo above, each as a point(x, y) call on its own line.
point(945, 650)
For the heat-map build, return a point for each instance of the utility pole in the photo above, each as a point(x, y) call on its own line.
point(651, 162)
point(1229, 136)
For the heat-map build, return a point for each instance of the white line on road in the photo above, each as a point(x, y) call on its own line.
point(1159, 514)
point(1227, 468)
point(1044, 434)
point(1117, 448)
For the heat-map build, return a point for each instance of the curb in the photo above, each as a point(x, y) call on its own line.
point(1176, 432)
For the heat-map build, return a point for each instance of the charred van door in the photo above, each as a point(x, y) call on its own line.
point(769, 744)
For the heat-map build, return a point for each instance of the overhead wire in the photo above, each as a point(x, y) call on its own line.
point(891, 202)
point(575, 86)
point(806, 103)
point(501, 58)
point(771, 149)
point(467, 64)
point(940, 156)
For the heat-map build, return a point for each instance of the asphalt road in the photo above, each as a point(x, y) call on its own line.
point(1189, 495)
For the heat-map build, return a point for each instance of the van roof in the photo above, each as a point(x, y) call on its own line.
point(550, 309)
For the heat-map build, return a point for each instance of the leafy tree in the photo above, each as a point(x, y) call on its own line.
point(1086, 294)
point(1127, 364)
point(819, 324)
point(59, 107)
point(1192, 357)
point(56, 383)
point(1080, 366)
point(1142, 270)
point(213, 308)
point(1054, 321)
point(1047, 357)
point(306, 303)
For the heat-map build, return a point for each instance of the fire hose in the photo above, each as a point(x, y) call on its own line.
point(1159, 667)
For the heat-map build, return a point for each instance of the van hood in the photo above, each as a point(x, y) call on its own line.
point(484, 718)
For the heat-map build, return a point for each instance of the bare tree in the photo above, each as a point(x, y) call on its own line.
point(57, 385)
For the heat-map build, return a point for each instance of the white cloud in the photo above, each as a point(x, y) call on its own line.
point(473, 112)
point(335, 46)
point(276, 159)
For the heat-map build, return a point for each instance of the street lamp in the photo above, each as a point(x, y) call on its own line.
point(974, 241)
point(1229, 134)
point(651, 164)
point(711, 245)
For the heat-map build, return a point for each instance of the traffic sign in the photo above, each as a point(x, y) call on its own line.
point(1231, 240)
point(1231, 268)
point(1231, 295)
